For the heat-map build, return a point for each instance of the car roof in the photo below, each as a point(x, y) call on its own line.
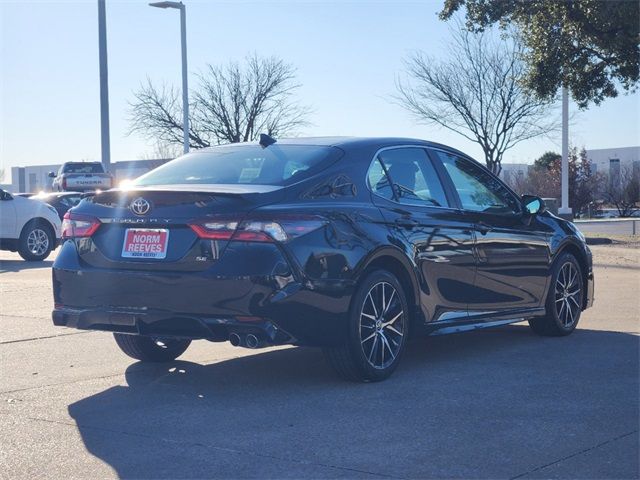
point(348, 143)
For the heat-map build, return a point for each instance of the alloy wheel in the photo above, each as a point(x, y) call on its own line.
point(568, 294)
point(382, 325)
point(37, 242)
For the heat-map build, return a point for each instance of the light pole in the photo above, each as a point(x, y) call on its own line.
point(104, 87)
point(564, 208)
point(185, 92)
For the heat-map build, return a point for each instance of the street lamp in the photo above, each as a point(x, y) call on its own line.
point(564, 180)
point(185, 92)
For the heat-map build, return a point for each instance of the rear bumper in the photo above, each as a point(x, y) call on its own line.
point(167, 324)
point(246, 290)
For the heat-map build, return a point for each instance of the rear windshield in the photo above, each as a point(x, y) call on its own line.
point(83, 168)
point(247, 164)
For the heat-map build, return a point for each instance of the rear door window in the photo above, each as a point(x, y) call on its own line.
point(83, 168)
point(414, 179)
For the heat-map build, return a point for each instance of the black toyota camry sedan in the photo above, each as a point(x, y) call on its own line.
point(348, 244)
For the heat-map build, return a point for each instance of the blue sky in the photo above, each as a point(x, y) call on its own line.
point(348, 55)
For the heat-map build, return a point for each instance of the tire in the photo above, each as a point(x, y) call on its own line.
point(564, 299)
point(36, 241)
point(151, 349)
point(377, 332)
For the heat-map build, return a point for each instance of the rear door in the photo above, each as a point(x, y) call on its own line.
point(513, 254)
point(408, 191)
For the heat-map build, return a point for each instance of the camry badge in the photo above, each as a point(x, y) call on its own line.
point(140, 206)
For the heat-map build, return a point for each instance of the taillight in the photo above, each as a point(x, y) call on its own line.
point(77, 226)
point(281, 229)
point(215, 229)
point(64, 183)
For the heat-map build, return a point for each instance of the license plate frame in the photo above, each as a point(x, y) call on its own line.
point(147, 240)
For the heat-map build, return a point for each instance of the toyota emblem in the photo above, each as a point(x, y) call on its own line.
point(140, 206)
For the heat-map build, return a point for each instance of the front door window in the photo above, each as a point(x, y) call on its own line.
point(478, 190)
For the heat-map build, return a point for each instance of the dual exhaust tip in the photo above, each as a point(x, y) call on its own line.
point(247, 340)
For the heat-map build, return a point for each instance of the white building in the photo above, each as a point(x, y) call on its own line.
point(34, 178)
point(614, 161)
point(512, 171)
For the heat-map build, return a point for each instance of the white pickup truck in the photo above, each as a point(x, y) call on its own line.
point(80, 177)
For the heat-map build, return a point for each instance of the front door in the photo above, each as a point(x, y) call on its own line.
point(7, 216)
point(409, 193)
point(513, 257)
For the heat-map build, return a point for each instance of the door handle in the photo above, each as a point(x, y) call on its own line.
point(406, 222)
point(483, 228)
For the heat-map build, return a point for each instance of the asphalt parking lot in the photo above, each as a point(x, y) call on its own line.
point(500, 403)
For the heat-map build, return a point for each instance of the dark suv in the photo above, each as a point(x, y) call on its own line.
point(348, 244)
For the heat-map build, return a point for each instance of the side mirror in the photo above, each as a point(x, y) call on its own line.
point(533, 205)
point(5, 195)
point(52, 175)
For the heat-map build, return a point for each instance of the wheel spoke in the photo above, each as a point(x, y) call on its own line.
point(384, 301)
point(375, 310)
point(569, 313)
point(373, 347)
point(573, 276)
point(393, 320)
point(574, 301)
point(393, 292)
point(562, 282)
point(386, 342)
point(369, 337)
point(390, 327)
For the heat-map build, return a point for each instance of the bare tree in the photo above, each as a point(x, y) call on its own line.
point(623, 191)
point(543, 179)
point(232, 103)
point(162, 151)
point(476, 92)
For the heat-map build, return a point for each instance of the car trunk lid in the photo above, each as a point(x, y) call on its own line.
point(129, 217)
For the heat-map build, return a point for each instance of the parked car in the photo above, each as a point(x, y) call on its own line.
point(81, 177)
point(347, 244)
point(28, 226)
point(61, 201)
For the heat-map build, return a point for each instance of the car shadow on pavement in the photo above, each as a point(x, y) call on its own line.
point(19, 265)
point(494, 403)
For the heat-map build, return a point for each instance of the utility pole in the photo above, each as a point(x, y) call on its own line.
point(185, 88)
point(104, 87)
point(564, 210)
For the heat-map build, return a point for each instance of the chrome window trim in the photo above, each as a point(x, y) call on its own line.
point(396, 147)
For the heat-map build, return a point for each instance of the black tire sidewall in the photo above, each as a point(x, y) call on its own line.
point(23, 248)
point(145, 349)
point(551, 297)
point(368, 372)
